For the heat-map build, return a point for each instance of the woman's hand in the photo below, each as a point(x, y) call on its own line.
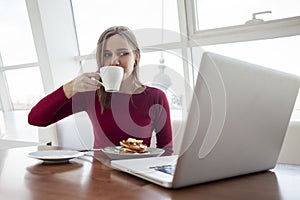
point(83, 83)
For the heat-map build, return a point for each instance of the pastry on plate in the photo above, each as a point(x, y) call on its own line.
point(132, 145)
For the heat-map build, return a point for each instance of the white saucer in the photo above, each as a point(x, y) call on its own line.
point(55, 156)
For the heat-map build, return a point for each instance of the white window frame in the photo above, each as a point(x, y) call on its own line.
point(247, 32)
point(6, 103)
point(5, 100)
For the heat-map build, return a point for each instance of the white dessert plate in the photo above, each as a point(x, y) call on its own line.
point(55, 155)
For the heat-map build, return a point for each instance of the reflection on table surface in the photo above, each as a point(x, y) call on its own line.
point(86, 177)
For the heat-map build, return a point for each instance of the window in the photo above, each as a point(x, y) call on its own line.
point(16, 41)
point(212, 14)
point(280, 54)
point(20, 76)
point(135, 14)
point(25, 87)
point(167, 76)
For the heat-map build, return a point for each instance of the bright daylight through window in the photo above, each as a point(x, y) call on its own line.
point(20, 76)
point(278, 53)
point(215, 14)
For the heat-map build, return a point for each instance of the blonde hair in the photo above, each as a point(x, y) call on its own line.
point(127, 34)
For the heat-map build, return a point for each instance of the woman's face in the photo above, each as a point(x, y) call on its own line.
point(118, 52)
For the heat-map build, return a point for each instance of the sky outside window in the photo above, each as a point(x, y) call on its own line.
point(16, 41)
point(135, 14)
point(215, 13)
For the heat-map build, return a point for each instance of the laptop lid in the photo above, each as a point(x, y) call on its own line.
point(236, 124)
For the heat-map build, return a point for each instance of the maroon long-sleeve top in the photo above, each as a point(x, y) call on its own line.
point(131, 115)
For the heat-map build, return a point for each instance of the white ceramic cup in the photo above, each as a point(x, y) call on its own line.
point(112, 77)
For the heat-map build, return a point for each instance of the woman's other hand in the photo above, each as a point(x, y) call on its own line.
point(83, 83)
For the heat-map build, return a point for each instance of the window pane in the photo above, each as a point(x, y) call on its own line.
point(169, 78)
point(16, 42)
point(215, 13)
point(25, 87)
point(280, 54)
point(92, 17)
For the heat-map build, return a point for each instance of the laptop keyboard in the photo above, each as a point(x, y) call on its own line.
point(168, 169)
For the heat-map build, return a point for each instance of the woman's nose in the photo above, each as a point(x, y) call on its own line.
point(115, 60)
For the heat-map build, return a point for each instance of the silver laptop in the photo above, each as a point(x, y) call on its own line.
point(236, 124)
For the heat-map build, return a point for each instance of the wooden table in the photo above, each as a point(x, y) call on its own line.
point(23, 178)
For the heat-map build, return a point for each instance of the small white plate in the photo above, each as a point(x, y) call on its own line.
point(114, 153)
point(55, 156)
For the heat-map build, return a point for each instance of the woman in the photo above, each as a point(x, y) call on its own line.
point(135, 111)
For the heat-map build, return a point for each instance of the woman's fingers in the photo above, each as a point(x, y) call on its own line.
point(94, 75)
point(87, 82)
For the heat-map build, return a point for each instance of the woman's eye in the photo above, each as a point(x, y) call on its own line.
point(107, 55)
point(123, 53)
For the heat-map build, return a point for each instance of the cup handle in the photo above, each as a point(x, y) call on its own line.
point(98, 81)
